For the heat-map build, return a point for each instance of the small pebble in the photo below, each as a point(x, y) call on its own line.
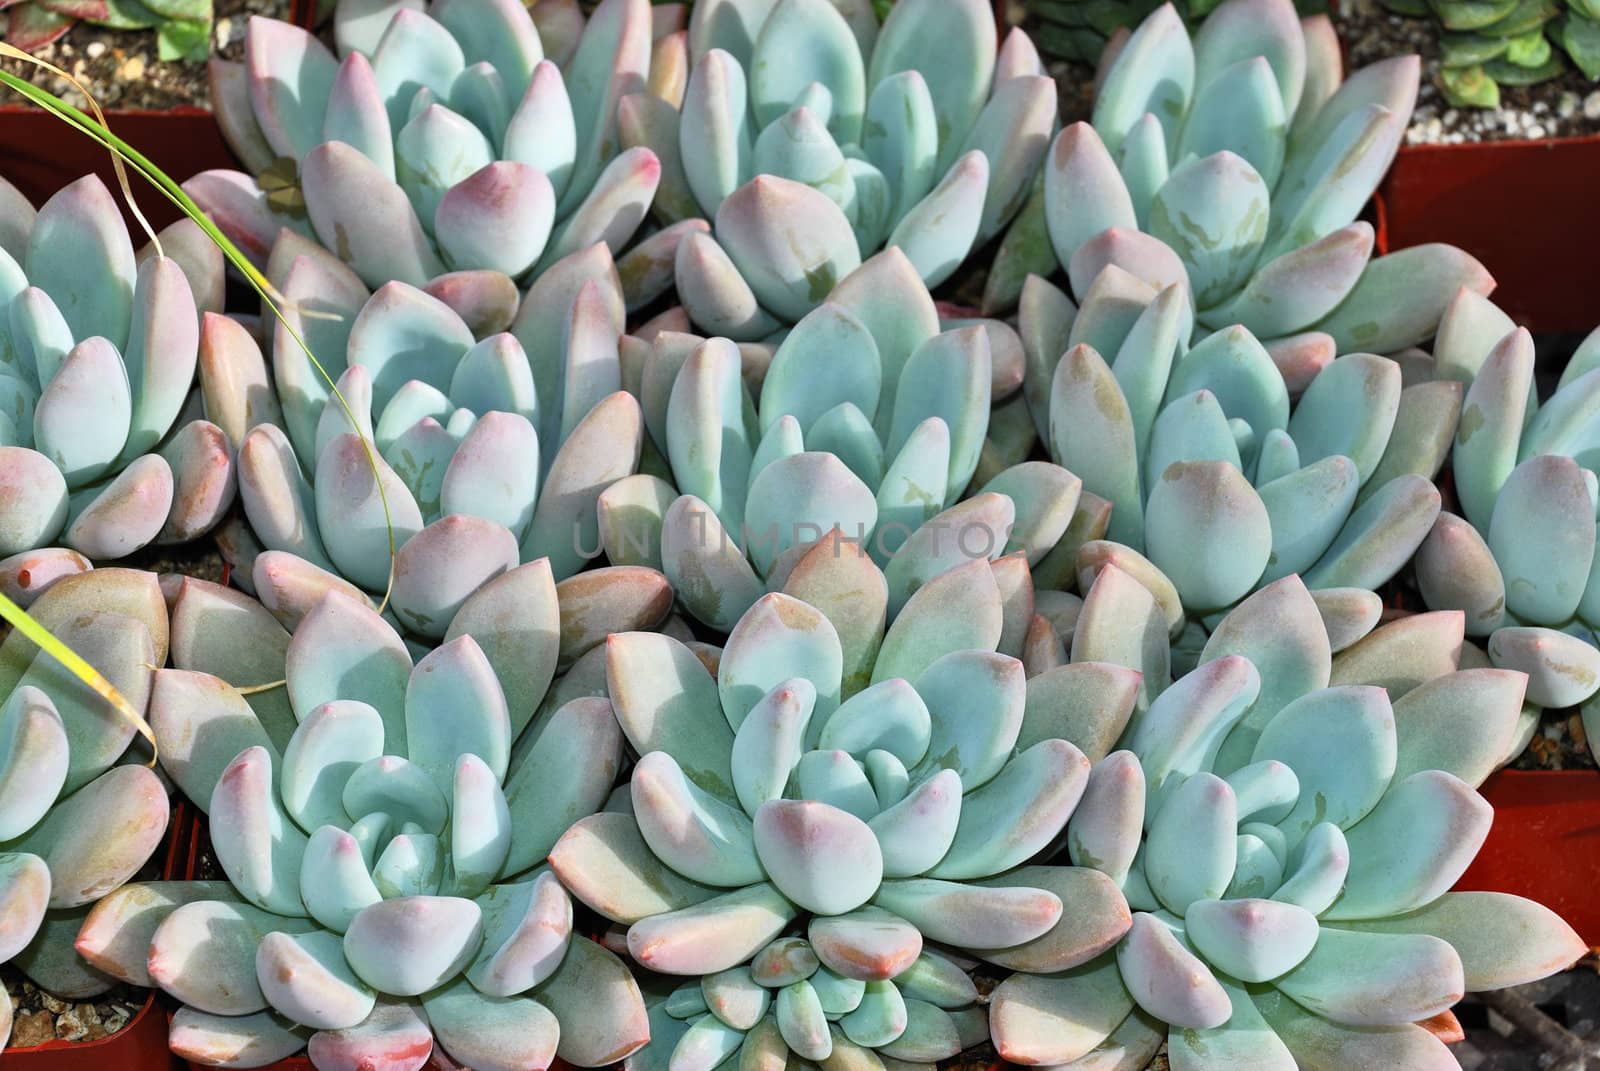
point(29, 1029)
point(96, 49)
point(132, 70)
point(1567, 107)
point(1591, 105)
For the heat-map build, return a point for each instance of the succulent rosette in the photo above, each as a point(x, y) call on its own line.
point(870, 416)
point(812, 137)
point(382, 826)
point(493, 448)
point(822, 858)
point(1235, 162)
point(437, 142)
point(100, 446)
point(1208, 478)
point(1286, 823)
point(79, 814)
point(1518, 559)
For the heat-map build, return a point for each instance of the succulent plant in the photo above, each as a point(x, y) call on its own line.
point(793, 854)
point(813, 137)
point(870, 416)
point(1079, 30)
point(99, 446)
point(1217, 483)
point(79, 814)
point(1235, 162)
point(1286, 825)
point(491, 452)
point(1517, 558)
point(382, 826)
point(1504, 42)
point(436, 144)
point(183, 27)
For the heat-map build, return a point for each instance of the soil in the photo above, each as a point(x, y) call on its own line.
point(1565, 106)
point(41, 1017)
point(121, 69)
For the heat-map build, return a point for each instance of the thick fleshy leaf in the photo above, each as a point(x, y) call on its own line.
point(365, 217)
point(1445, 822)
point(972, 916)
point(698, 835)
point(938, 231)
point(867, 945)
point(606, 863)
point(1364, 979)
point(394, 1037)
point(1380, 537)
point(712, 935)
point(410, 945)
point(791, 266)
point(344, 650)
point(204, 953)
point(1191, 851)
point(35, 485)
point(34, 760)
point(256, 842)
point(822, 858)
point(1094, 917)
point(1030, 800)
point(665, 701)
point(1169, 981)
point(1092, 435)
point(548, 790)
point(1502, 939)
point(603, 447)
point(1401, 297)
point(305, 978)
point(1061, 1018)
point(493, 1033)
point(233, 1040)
point(1204, 504)
point(25, 895)
point(79, 254)
point(201, 723)
point(1563, 670)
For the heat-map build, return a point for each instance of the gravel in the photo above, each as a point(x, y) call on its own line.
point(41, 1017)
point(1566, 106)
point(121, 69)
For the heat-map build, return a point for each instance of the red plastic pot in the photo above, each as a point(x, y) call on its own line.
point(42, 154)
point(1527, 209)
point(142, 1044)
point(1545, 843)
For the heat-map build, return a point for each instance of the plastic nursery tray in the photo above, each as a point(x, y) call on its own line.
point(1527, 209)
point(1545, 843)
point(142, 1044)
point(41, 153)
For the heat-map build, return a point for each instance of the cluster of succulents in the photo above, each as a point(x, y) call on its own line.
point(811, 137)
point(867, 418)
point(490, 452)
point(1518, 559)
point(382, 826)
point(77, 817)
point(1236, 161)
point(1217, 482)
point(182, 27)
point(103, 444)
point(437, 143)
point(793, 835)
point(1485, 46)
point(887, 679)
point(1285, 823)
